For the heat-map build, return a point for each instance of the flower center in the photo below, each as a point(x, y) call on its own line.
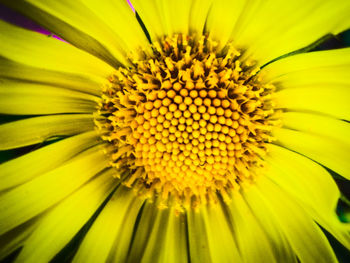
point(188, 124)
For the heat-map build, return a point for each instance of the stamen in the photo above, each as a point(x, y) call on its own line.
point(191, 123)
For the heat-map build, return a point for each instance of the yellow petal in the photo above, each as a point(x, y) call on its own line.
point(304, 235)
point(221, 241)
point(110, 235)
point(23, 98)
point(305, 179)
point(160, 236)
point(278, 27)
point(317, 124)
point(250, 237)
point(199, 11)
point(85, 83)
point(169, 17)
point(44, 159)
point(198, 239)
point(330, 75)
point(311, 185)
point(329, 152)
point(152, 16)
point(59, 226)
point(225, 15)
point(175, 244)
point(15, 238)
point(26, 201)
point(41, 52)
point(122, 21)
point(38, 129)
point(148, 218)
point(209, 240)
point(167, 238)
point(281, 248)
point(176, 15)
point(328, 99)
point(77, 24)
point(331, 66)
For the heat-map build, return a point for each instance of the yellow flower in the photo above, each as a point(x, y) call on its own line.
point(199, 132)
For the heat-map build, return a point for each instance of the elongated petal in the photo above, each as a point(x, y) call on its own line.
point(41, 52)
point(317, 124)
point(266, 30)
point(26, 201)
point(78, 25)
point(84, 82)
point(225, 15)
point(60, 225)
point(222, 243)
point(311, 185)
point(110, 235)
point(327, 99)
point(148, 218)
point(210, 241)
point(38, 129)
point(169, 17)
point(330, 152)
point(176, 16)
point(304, 178)
point(305, 237)
point(251, 240)
point(122, 21)
point(331, 66)
point(160, 236)
point(34, 99)
point(151, 15)
point(199, 11)
point(44, 159)
point(283, 27)
point(15, 238)
point(313, 82)
point(331, 75)
point(167, 239)
point(197, 238)
point(277, 240)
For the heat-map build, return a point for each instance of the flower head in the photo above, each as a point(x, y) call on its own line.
point(193, 131)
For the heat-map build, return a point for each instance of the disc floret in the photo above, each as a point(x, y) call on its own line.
point(189, 122)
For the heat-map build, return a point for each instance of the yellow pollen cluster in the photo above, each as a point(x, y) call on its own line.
point(188, 124)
